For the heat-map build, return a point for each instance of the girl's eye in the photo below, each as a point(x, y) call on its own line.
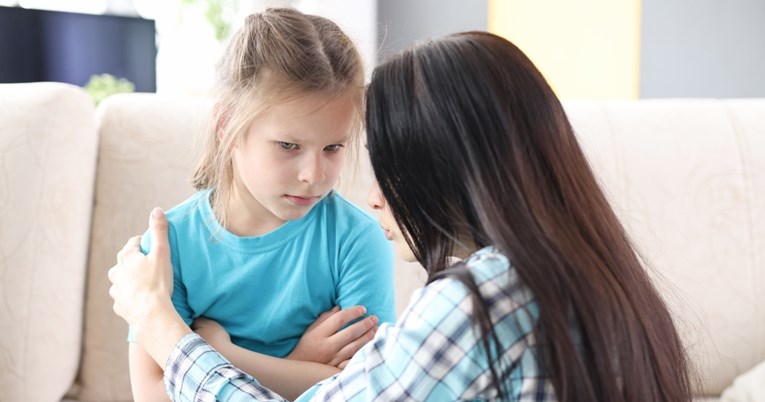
point(334, 147)
point(288, 146)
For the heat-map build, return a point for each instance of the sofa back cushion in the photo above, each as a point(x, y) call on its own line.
point(48, 148)
point(687, 178)
point(145, 160)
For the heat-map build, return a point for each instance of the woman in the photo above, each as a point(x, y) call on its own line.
point(475, 159)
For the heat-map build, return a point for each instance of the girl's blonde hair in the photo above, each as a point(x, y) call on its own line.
point(277, 53)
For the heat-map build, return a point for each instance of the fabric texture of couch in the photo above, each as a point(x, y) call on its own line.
point(687, 178)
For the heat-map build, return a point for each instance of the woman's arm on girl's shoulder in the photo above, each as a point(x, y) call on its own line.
point(146, 376)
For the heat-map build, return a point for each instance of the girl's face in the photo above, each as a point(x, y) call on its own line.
point(288, 161)
point(393, 232)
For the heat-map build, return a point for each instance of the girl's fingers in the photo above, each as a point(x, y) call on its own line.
point(345, 354)
point(353, 332)
point(338, 319)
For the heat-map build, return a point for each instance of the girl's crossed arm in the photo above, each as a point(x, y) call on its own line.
point(322, 349)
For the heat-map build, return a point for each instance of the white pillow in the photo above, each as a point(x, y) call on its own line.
point(748, 387)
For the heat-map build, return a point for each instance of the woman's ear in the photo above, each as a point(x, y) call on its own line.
point(221, 116)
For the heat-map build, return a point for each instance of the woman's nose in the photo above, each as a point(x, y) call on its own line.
point(374, 198)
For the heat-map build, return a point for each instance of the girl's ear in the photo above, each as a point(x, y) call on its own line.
point(221, 115)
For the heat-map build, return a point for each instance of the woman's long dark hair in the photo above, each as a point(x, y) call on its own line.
point(468, 141)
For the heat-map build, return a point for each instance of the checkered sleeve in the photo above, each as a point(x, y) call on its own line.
point(196, 372)
point(434, 353)
point(412, 360)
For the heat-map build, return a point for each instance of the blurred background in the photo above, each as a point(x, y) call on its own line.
point(593, 49)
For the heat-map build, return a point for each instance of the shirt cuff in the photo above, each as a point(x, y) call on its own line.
point(191, 361)
point(196, 372)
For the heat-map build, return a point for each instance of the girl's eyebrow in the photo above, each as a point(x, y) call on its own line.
point(293, 140)
point(286, 138)
point(341, 140)
point(289, 138)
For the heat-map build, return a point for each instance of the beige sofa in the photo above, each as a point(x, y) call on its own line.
point(686, 176)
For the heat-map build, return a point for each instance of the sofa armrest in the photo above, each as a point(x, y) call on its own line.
point(48, 153)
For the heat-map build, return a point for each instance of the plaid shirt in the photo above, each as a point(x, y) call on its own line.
point(433, 353)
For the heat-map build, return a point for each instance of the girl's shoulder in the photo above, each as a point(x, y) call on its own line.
point(198, 203)
point(344, 211)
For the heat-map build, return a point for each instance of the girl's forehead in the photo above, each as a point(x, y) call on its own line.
point(312, 116)
point(279, 100)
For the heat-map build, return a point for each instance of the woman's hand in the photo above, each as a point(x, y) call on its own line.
point(324, 342)
point(141, 289)
point(142, 283)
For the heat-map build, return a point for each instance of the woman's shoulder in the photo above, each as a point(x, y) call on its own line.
point(496, 279)
point(485, 265)
point(441, 317)
point(488, 264)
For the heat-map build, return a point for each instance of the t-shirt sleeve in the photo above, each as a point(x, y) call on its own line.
point(366, 274)
point(179, 297)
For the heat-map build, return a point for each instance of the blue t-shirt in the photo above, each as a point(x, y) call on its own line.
point(266, 290)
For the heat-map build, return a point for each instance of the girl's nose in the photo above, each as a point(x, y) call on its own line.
point(313, 171)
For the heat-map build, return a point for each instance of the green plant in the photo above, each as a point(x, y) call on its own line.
point(103, 85)
point(218, 14)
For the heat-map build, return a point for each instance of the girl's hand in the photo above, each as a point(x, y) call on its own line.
point(324, 342)
point(212, 332)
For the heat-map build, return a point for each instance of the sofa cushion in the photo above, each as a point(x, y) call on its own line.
point(687, 178)
point(748, 387)
point(48, 154)
point(146, 156)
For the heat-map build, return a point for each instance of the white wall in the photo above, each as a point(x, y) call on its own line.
point(401, 22)
point(358, 18)
point(703, 48)
point(188, 51)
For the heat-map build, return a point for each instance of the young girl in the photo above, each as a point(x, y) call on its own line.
point(266, 246)
point(476, 161)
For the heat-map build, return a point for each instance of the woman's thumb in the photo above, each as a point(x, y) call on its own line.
point(158, 227)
